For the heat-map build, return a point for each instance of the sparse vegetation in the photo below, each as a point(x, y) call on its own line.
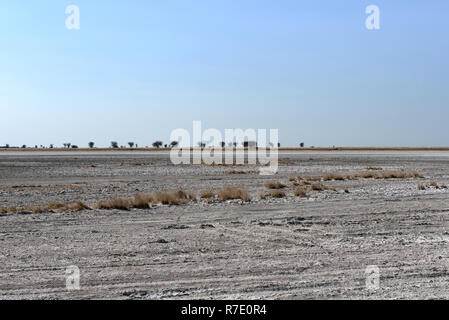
point(301, 193)
point(333, 176)
point(115, 203)
point(233, 193)
point(275, 185)
point(142, 201)
point(277, 194)
point(207, 195)
point(431, 184)
point(51, 206)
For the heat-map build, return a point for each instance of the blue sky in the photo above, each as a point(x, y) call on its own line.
point(136, 70)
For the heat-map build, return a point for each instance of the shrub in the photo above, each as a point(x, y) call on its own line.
point(277, 194)
point(275, 185)
point(233, 193)
point(300, 192)
point(79, 206)
point(142, 201)
point(317, 187)
point(207, 194)
point(116, 203)
point(157, 144)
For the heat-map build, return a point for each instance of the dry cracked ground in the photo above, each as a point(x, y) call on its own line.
point(289, 248)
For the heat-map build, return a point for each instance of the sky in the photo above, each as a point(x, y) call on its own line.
point(138, 69)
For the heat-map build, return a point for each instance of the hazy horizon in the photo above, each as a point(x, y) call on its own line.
point(137, 70)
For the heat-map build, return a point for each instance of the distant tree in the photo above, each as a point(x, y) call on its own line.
point(24, 146)
point(91, 144)
point(279, 144)
point(157, 144)
point(131, 144)
point(74, 147)
point(174, 144)
point(51, 146)
point(234, 144)
point(223, 144)
point(35, 146)
point(165, 146)
point(114, 144)
point(301, 144)
point(67, 145)
point(201, 144)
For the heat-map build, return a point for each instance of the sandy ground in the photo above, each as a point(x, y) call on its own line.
point(274, 249)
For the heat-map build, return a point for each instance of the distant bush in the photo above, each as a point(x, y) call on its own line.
point(157, 144)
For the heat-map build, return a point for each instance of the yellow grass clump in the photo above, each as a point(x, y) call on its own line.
point(115, 203)
point(275, 185)
point(301, 193)
point(207, 194)
point(277, 194)
point(233, 193)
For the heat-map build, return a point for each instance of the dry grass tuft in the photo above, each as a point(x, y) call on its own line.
point(333, 176)
point(79, 206)
point(345, 190)
point(431, 184)
point(207, 194)
point(301, 193)
point(142, 201)
point(275, 185)
point(116, 203)
point(233, 193)
point(277, 194)
point(317, 187)
point(292, 179)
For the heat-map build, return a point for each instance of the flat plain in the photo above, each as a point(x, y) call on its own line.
point(313, 247)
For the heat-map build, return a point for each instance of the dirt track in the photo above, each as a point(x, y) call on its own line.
point(276, 249)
